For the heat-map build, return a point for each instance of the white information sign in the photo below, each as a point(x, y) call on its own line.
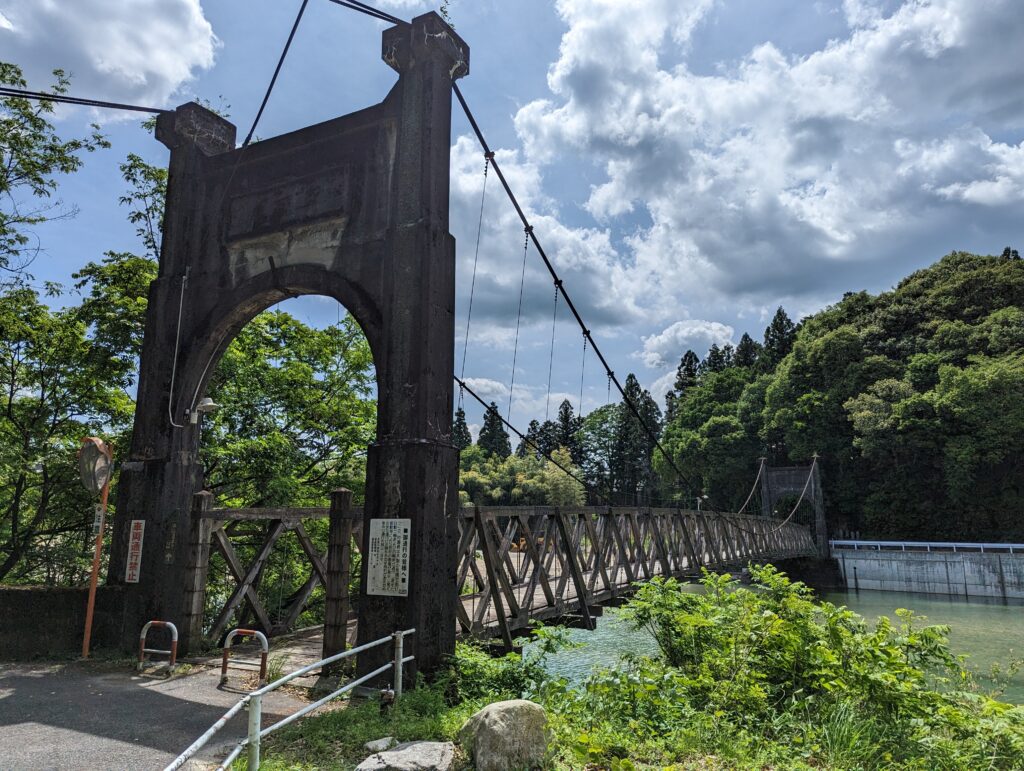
point(387, 571)
point(134, 564)
point(97, 519)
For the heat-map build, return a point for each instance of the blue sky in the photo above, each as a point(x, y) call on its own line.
point(689, 164)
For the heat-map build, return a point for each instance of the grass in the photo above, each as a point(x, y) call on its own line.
point(333, 741)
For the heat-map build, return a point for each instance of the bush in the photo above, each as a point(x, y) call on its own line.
point(769, 675)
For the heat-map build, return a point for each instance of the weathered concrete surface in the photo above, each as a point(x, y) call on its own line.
point(967, 574)
point(48, 622)
point(412, 756)
point(355, 208)
point(76, 717)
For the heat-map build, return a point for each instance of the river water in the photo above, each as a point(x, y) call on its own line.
point(989, 632)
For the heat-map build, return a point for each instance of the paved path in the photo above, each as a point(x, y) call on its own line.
point(101, 716)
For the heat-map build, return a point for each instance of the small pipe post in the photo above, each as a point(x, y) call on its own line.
point(398, 665)
point(255, 718)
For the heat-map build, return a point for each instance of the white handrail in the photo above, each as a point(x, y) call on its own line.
point(858, 544)
point(254, 701)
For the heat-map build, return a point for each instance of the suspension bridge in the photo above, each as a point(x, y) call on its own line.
point(356, 208)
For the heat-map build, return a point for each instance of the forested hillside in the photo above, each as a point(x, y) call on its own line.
point(913, 398)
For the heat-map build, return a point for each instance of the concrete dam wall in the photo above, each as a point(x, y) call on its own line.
point(964, 569)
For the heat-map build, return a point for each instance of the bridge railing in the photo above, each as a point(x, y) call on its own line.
point(518, 564)
point(515, 564)
point(928, 546)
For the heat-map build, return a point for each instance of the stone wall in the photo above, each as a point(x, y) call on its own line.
point(47, 622)
point(967, 574)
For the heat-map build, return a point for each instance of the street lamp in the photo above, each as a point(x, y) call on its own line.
point(205, 405)
point(700, 499)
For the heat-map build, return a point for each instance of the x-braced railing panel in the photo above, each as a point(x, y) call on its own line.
point(518, 564)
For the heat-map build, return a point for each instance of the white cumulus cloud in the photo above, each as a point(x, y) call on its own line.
point(140, 52)
point(665, 348)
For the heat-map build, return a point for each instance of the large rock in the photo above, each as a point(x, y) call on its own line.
point(412, 756)
point(507, 736)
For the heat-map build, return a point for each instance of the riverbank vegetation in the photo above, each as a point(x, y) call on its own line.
point(754, 677)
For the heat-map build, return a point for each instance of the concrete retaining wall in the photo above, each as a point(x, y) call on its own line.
point(48, 621)
point(967, 574)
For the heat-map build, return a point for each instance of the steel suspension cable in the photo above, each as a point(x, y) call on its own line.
point(583, 370)
point(523, 437)
point(551, 357)
point(42, 96)
point(634, 409)
point(277, 71)
point(476, 257)
point(519, 317)
point(760, 470)
point(369, 10)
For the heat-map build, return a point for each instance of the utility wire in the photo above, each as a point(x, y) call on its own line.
point(42, 96)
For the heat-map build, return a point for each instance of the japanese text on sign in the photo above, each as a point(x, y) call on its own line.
point(134, 564)
point(387, 571)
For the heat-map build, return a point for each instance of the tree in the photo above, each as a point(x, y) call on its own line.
point(297, 412)
point(567, 431)
point(56, 389)
point(488, 479)
point(560, 488)
point(747, 352)
point(631, 462)
point(687, 374)
point(717, 359)
point(597, 439)
point(461, 437)
point(778, 339)
point(32, 156)
point(493, 438)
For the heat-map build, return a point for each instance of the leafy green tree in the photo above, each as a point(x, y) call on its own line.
point(748, 351)
point(32, 157)
point(56, 389)
point(297, 412)
point(493, 438)
point(717, 359)
point(560, 488)
point(597, 438)
point(489, 479)
point(687, 374)
point(461, 437)
point(778, 338)
point(567, 431)
point(633, 446)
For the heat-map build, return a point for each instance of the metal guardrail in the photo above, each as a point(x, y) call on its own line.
point(226, 654)
point(254, 701)
point(172, 653)
point(928, 546)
